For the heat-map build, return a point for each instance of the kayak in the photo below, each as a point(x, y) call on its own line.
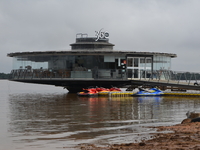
point(88, 92)
point(94, 91)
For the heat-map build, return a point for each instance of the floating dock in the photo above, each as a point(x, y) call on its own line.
point(172, 93)
point(166, 93)
point(116, 94)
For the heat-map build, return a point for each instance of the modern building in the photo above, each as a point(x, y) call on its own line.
point(92, 61)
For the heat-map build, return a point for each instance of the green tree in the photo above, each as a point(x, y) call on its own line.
point(4, 76)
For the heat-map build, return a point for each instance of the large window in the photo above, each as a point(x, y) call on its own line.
point(161, 62)
point(68, 62)
point(33, 62)
point(136, 62)
point(139, 62)
point(148, 62)
point(130, 62)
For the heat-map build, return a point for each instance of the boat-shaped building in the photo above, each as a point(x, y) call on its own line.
point(90, 62)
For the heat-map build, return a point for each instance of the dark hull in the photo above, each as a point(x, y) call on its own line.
point(74, 86)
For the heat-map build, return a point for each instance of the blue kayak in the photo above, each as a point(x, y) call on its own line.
point(150, 92)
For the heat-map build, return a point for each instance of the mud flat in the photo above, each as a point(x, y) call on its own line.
point(177, 137)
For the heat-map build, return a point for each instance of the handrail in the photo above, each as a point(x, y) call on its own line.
point(178, 77)
point(68, 74)
point(119, 74)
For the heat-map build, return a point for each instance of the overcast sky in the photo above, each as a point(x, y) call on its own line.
point(168, 26)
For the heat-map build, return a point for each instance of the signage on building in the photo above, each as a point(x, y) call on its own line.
point(101, 35)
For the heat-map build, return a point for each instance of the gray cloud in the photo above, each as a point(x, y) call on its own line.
point(170, 26)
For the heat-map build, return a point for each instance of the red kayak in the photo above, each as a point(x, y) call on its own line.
point(95, 91)
point(88, 92)
point(101, 89)
point(114, 89)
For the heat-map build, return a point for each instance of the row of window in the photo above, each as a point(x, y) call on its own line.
point(71, 62)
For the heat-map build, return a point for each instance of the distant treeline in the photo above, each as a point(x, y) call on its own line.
point(4, 75)
point(188, 76)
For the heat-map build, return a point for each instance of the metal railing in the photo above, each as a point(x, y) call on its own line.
point(166, 76)
point(68, 74)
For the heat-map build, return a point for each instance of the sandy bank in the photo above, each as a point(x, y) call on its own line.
point(183, 136)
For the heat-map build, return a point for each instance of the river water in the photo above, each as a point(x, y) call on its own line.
point(44, 117)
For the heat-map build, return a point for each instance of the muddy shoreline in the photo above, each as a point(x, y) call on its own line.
point(177, 137)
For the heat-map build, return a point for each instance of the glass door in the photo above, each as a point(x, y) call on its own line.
point(139, 67)
point(133, 67)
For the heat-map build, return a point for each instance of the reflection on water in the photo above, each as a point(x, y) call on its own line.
point(36, 117)
point(67, 120)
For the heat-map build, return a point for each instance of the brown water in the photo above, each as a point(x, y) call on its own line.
point(47, 118)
